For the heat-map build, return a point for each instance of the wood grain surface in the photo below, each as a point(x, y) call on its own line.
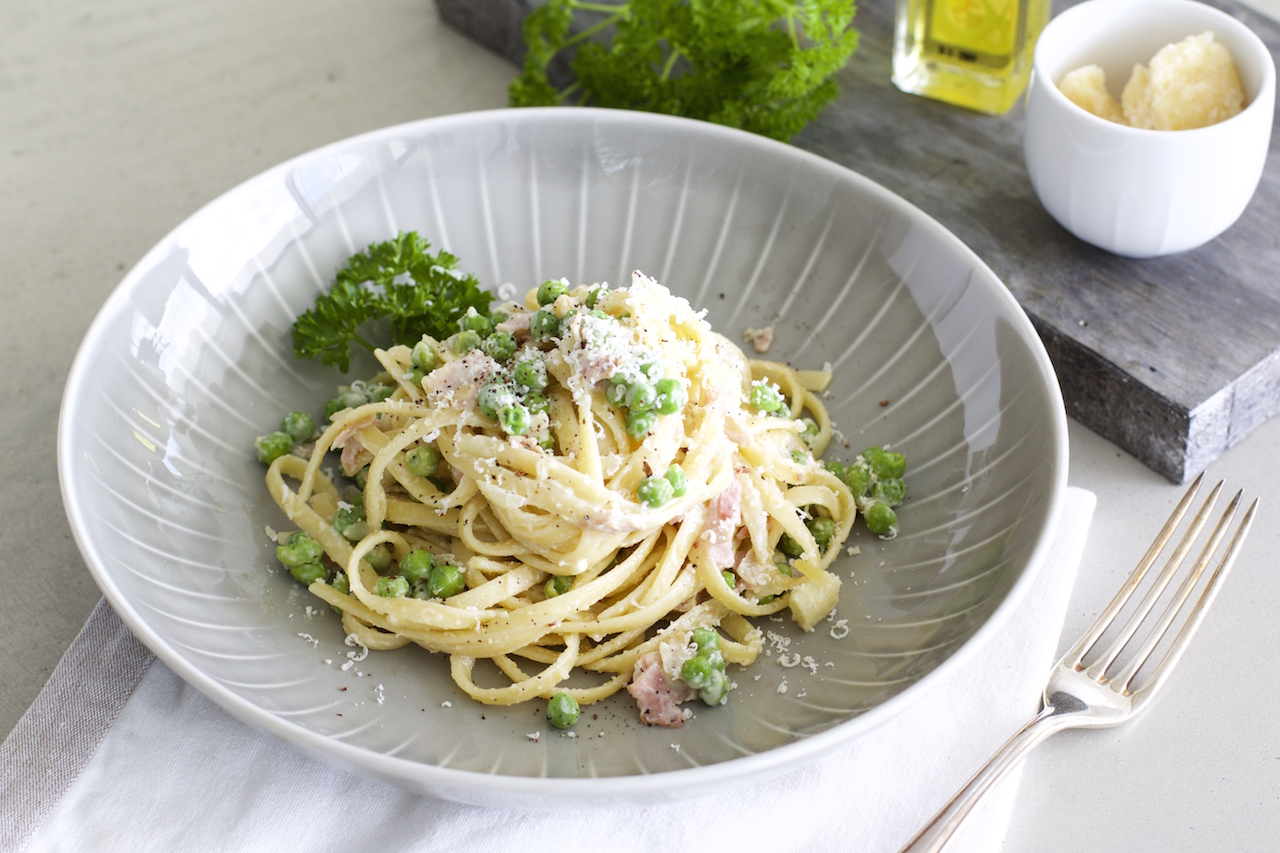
point(1174, 359)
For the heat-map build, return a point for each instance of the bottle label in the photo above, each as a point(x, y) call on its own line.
point(984, 32)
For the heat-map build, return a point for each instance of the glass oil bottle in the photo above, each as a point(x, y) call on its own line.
point(972, 53)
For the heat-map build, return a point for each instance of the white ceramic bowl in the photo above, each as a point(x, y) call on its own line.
point(190, 359)
point(1143, 193)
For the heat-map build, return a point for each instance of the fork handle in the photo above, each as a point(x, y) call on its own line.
point(938, 831)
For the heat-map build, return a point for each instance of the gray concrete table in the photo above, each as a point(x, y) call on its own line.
point(119, 119)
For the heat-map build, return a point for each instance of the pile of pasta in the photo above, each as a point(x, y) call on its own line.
point(517, 512)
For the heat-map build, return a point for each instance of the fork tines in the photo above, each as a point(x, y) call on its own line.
point(1123, 680)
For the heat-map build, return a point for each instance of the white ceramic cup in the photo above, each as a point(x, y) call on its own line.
point(1143, 193)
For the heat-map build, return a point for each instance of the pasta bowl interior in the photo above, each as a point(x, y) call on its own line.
point(928, 355)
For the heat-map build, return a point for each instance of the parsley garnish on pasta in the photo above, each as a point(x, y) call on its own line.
point(588, 490)
point(421, 293)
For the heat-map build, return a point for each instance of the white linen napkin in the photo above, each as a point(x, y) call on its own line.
point(175, 772)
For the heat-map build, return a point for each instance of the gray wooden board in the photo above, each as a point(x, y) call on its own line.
point(1174, 359)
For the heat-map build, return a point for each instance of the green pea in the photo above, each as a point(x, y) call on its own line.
point(422, 461)
point(353, 397)
point(697, 672)
point(531, 373)
point(379, 557)
point(298, 537)
point(549, 291)
point(885, 464)
point(272, 446)
point(654, 491)
point(393, 586)
point(730, 579)
point(809, 434)
point(514, 419)
point(783, 565)
point(594, 294)
point(880, 518)
point(362, 478)
point(308, 573)
point(562, 711)
point(640, 423)
point(445, 580)
point(671, 396)
point(465, 341)
point(789, 546)
point(558, 585)
point(537, 403)
point(641, 396)
point(299, 426)
point(616, 394)
point(715, 692)
point(492, 396)
point(342, 584)
point(349, 520)
point(706, 638)
point(332, 408)
point(378, 392)
point(500, 346)
point(799, 457)
point(891, 492)
point(416, 565)
point(423, 356)
point(298, 549)
point(414, 375)
point(347, 514)
point(768, 599)
point(546, 440)
point(472, 321)
point(498, 318)
point(823, 530)
point(764, 397)
point(857, 477)
point(544, 325)
point(348, 399)
point(679, 482)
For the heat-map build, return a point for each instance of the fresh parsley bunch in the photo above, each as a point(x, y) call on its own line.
point(761, 65)
point(400, 279)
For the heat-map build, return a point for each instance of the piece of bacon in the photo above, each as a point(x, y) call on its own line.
point(354, 454)
point(657, 697)
point(725, 520)
point(455, 384)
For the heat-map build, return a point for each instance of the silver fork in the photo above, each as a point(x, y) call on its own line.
point(1094, 694)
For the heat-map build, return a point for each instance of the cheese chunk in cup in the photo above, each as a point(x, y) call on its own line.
point(1193, 83)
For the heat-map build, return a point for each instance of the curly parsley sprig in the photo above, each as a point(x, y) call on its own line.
point(761, 65)
point(400, 279)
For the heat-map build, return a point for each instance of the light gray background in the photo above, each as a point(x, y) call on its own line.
point(119, 119)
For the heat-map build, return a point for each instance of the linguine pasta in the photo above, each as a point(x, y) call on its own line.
point(580, 568)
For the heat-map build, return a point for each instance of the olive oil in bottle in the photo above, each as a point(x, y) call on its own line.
point(972, 53)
